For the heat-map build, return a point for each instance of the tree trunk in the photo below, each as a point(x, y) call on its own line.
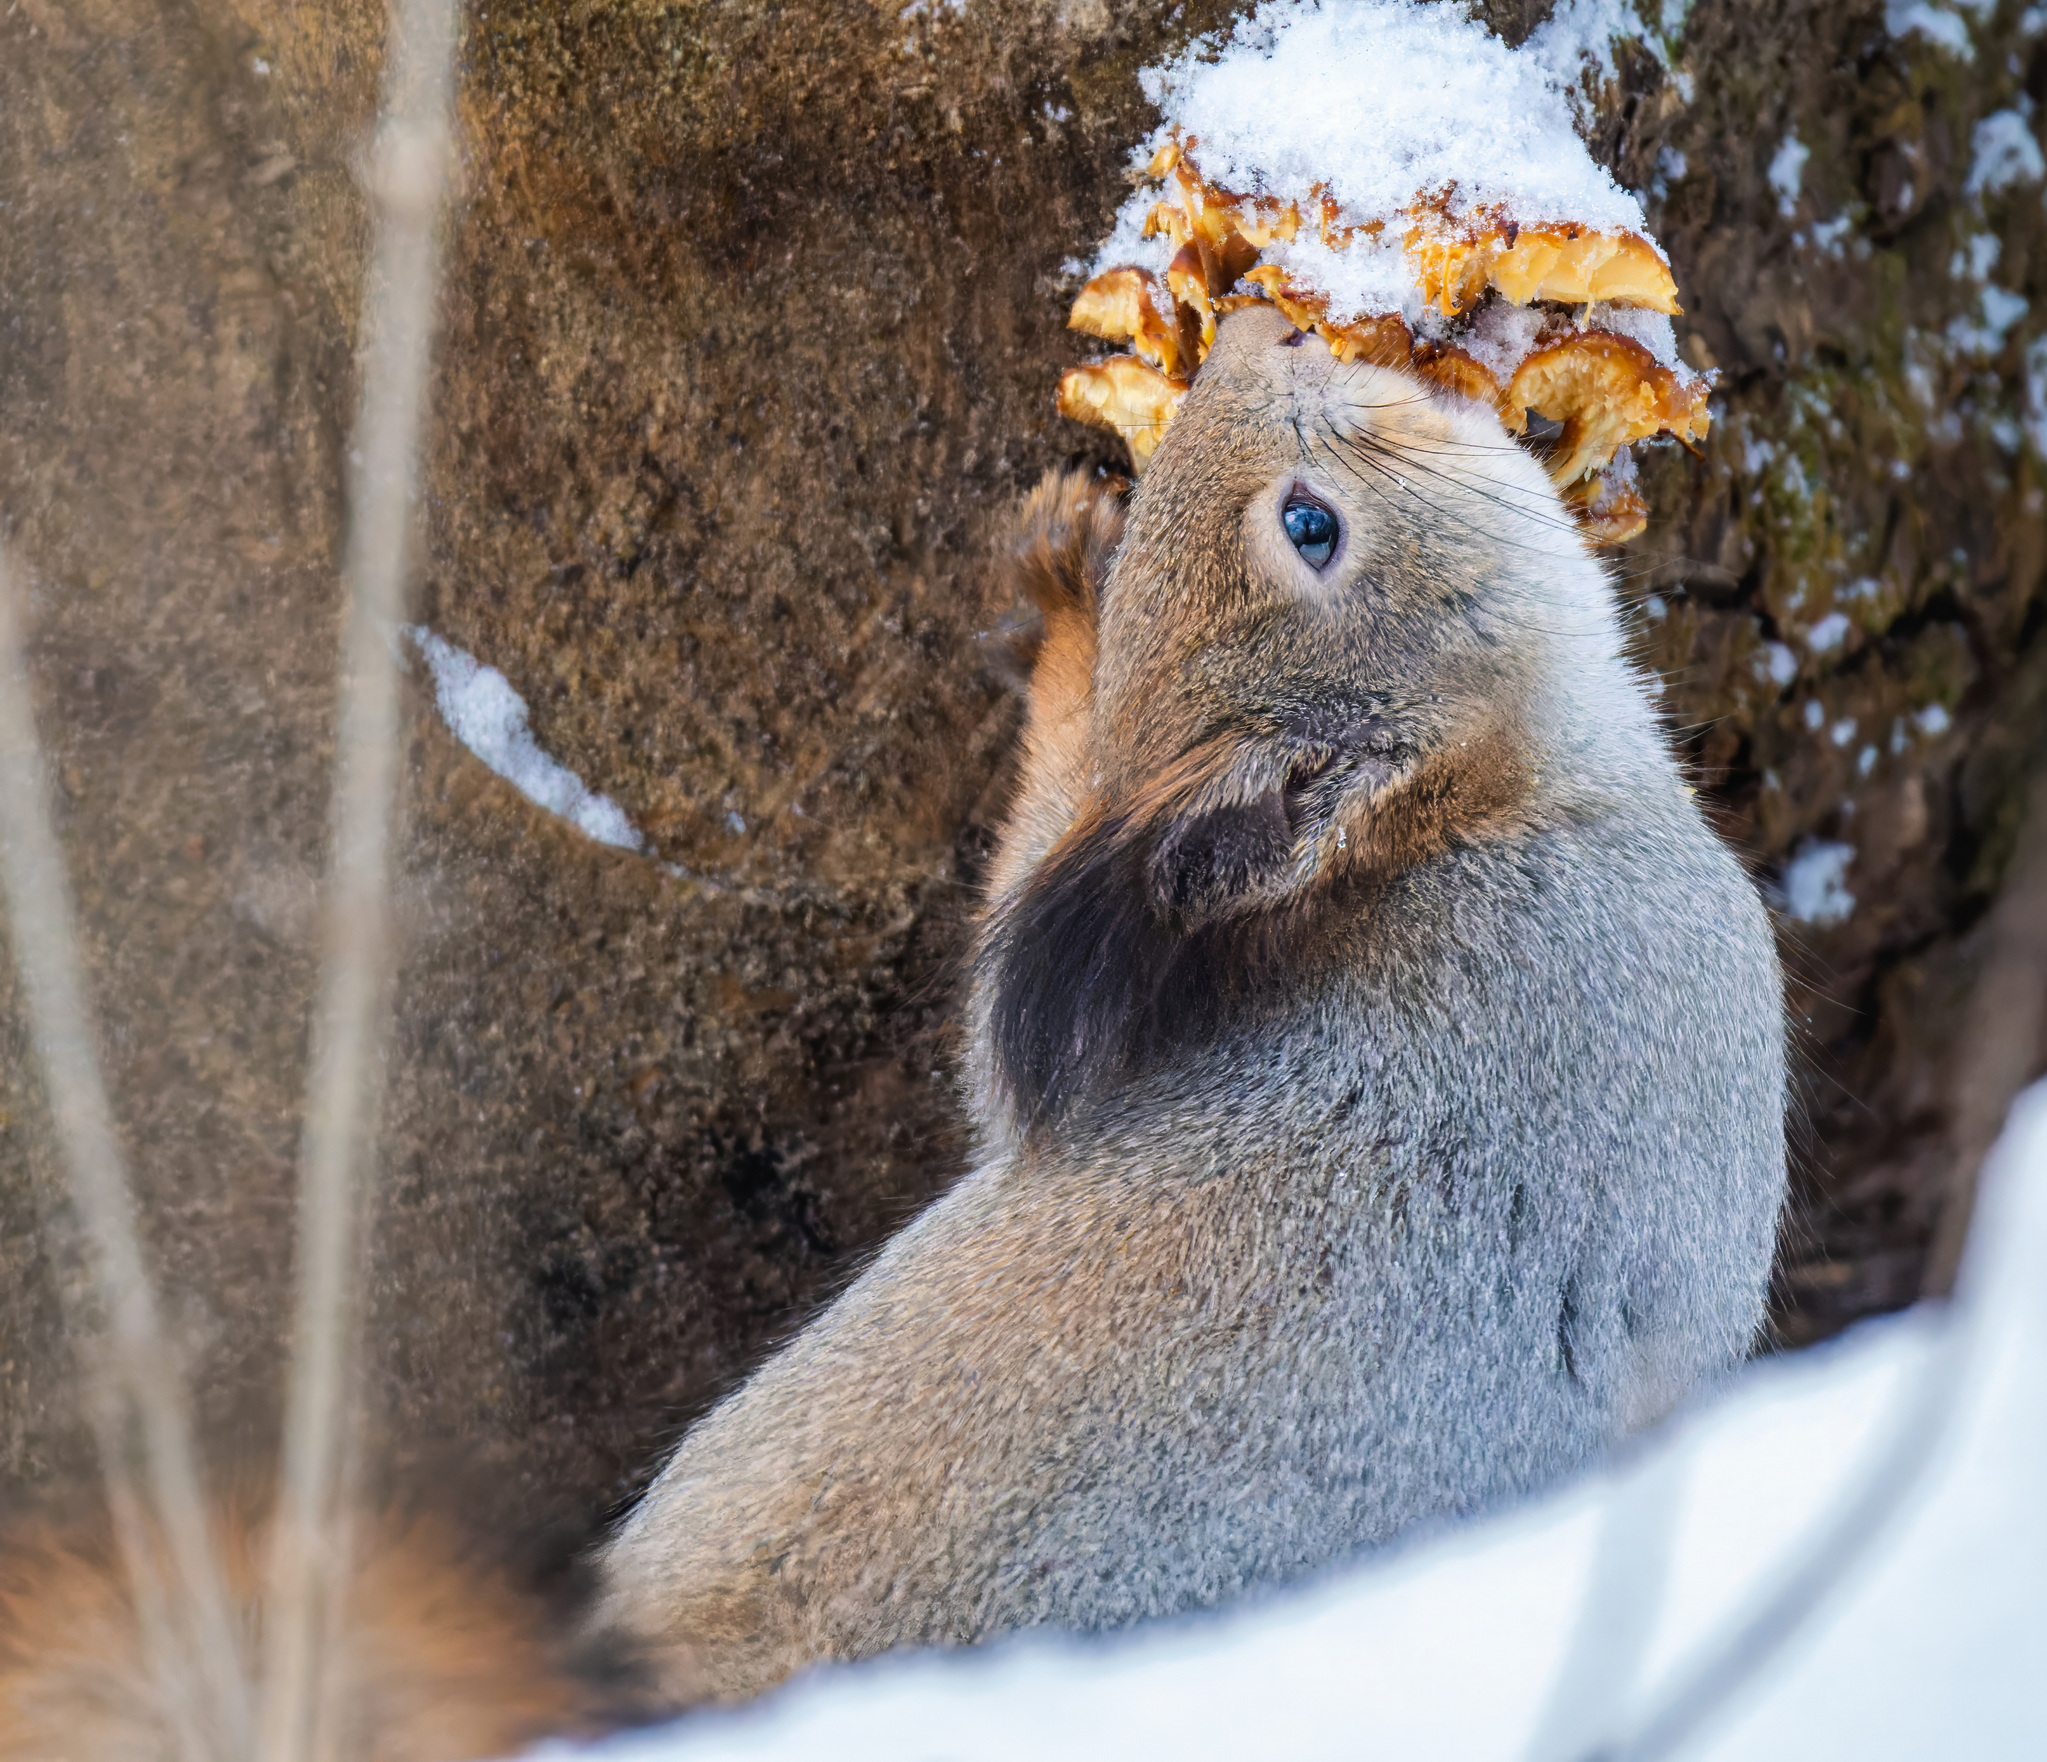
point(751, 324)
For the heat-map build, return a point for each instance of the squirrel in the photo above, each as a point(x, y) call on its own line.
point(1377, 1068)
point(1376, 1060)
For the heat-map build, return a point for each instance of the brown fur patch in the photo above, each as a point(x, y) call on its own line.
point(1462, 794)
point(444, 1658)
point(1066, 534)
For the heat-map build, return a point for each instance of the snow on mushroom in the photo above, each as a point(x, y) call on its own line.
point(1401, 182)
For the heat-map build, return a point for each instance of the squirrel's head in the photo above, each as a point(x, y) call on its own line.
point(1339, 636)
point(1320, 588)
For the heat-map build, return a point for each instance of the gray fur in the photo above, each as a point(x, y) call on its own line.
point(1493, 1182)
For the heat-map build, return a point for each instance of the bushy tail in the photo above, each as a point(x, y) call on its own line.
point(441, 1655)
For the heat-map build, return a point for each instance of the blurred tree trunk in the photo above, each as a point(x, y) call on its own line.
point(751, 326)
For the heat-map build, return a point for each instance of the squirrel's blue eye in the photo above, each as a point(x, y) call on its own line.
point(1312, 528)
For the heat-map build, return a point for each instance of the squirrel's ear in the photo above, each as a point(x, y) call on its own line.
point(1213, 862)
point(1077, 962)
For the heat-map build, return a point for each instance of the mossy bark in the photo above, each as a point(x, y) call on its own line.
point(751, 320)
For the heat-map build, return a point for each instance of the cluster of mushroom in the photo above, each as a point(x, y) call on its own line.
point(1567, 362)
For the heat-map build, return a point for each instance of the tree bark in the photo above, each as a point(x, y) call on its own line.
point(751, 326)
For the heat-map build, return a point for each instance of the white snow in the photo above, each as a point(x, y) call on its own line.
point(1904, 18)
point(1581, 33)
point(1998, 309)
point(1827, 633)
point(1815, 882)
point(2036, 394)
point(1780, 665)
point(1371, 275)
point(1383, 101)
point(1976, 257)
point(1828, 235)
point(2004, 152)
point(1651, 329)
point(1895, 1471)
point(1787, 172)
point(1933, 721)
point(487, 716)
point(1502, 336)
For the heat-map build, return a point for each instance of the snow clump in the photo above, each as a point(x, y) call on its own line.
point(487, 716)
point(1379, 102)
point(1815, 883)
point(2003, 152)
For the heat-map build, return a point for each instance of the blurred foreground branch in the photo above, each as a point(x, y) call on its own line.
point(309, 1561)
point(138, 1400)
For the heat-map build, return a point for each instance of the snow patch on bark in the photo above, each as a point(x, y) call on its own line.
point(487, 716)
point(1816, 878)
